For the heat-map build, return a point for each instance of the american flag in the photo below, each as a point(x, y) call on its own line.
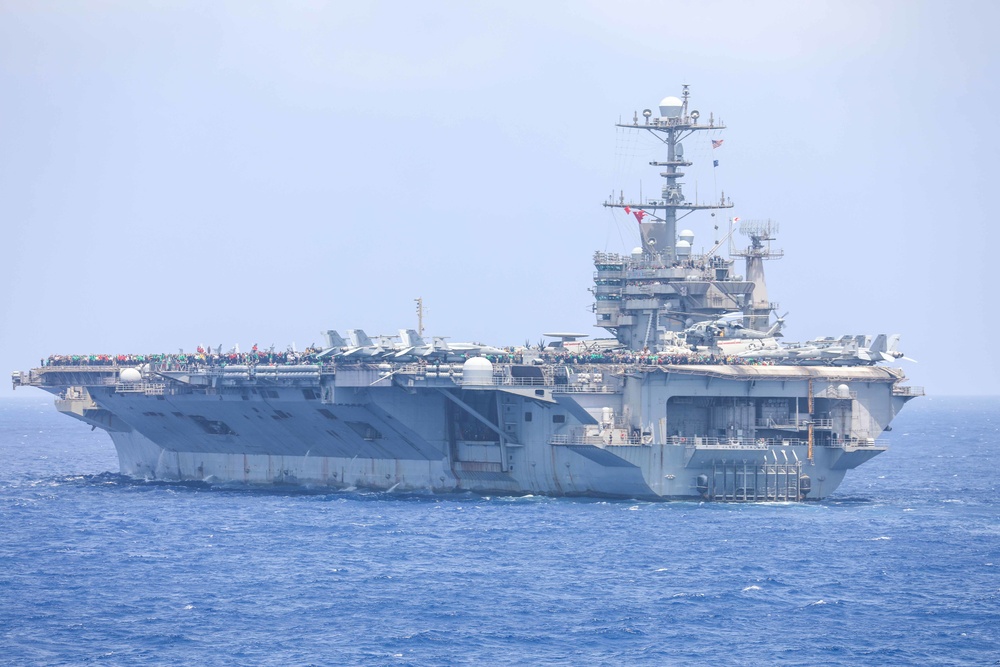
point(717, 142)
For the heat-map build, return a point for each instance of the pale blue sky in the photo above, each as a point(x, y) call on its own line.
point(176, 173)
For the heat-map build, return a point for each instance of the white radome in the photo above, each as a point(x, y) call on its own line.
point(477, 371)
point(670, 107)
point(130, 375)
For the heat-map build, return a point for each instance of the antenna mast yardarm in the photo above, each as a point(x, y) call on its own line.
point(674, 124)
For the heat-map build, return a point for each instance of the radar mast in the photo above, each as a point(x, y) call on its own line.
point(757, 310)
point(658, 215)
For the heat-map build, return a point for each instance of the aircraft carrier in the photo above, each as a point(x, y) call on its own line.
point(693, 396)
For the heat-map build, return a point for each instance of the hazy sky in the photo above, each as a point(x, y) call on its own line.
point(179, 173)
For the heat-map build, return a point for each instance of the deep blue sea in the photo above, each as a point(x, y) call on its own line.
point(901, 567)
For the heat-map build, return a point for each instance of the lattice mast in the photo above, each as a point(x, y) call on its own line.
point(658, 224)
point(757, 310)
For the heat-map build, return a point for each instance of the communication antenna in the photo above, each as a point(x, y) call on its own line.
point(420, 316)
point(761, 233)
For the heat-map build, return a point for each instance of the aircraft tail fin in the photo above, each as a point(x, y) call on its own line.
point(411, 338)
point(359, 338)
point(334, 339)
point(384, 342)
point(879, 344)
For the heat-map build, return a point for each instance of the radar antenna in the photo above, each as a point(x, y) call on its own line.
point(674, 124)
point(757, 311)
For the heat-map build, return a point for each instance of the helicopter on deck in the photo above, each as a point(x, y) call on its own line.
point(728, 335)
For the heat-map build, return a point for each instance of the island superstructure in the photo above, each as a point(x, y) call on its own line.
point(694, 397)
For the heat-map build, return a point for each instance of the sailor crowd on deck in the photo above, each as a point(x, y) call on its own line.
point(202, 359)
point(181, 360)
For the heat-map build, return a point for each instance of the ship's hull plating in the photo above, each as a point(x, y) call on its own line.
point(655, 472)
point(441, 437)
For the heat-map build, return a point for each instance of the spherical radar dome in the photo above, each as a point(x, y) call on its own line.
point(478, 371)
point(130, 375)
point(670, 107)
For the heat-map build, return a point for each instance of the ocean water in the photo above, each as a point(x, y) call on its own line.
point(901, 567)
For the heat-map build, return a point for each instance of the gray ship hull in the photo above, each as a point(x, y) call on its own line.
point(650, 474)
point(731, 433)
